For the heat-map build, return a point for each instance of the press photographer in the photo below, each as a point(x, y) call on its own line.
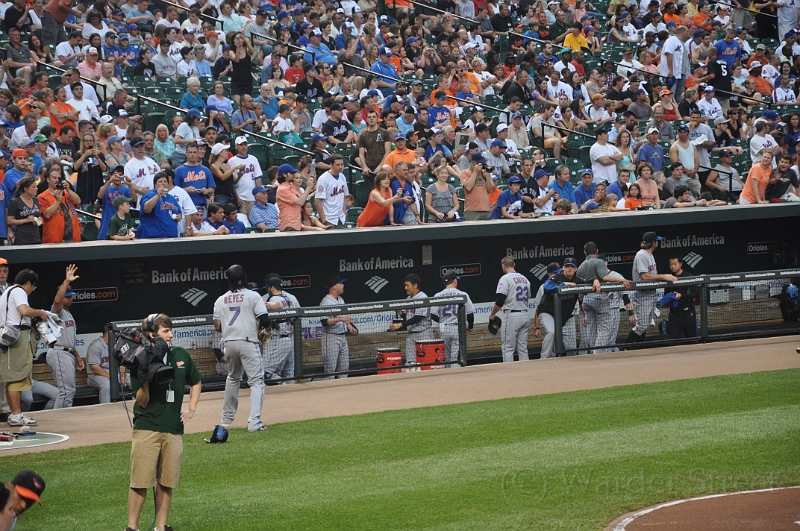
point(157, 445)
point(17, 342)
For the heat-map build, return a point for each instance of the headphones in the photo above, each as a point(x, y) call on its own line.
point(150, 322)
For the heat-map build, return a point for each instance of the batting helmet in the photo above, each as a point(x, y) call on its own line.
point(219, 435)
point(494, 325)
point(237, 277)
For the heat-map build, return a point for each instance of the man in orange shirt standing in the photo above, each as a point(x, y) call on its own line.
point(478, 186)
point(400, 153)
point(58, 204)
point(702, 20)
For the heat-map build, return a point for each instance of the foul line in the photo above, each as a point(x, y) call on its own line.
point(624, 523)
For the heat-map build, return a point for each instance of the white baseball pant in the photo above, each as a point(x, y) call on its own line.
point(243, 356)
point(514, 335)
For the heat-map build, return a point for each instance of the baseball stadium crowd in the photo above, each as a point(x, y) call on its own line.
point(132, 120)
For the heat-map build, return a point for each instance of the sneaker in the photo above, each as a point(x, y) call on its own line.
point(130, 529)
point(21, 420)
point(260, 428)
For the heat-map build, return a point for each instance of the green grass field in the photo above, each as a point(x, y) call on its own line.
point(569, 461)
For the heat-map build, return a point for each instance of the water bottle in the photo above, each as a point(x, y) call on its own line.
point(313, 167)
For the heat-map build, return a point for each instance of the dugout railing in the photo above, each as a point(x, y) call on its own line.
point(374, 349)
point(728, 306)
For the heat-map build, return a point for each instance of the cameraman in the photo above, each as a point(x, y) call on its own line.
point(63, 357)
point(157, 445)
point(58, 205)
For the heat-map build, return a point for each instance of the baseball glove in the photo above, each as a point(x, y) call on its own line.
point(352, 330)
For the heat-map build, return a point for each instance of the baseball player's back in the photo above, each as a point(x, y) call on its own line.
point(643, 262)
point(238, 311)
point(448, 315)
point(517, 289)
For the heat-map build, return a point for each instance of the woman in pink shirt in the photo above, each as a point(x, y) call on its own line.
point(290, 199)
point(648, 186)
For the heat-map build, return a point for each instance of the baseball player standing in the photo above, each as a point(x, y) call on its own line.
point(616, 299)
point(644, 301)
point(63, 358)
point(238, 314)
point(597, 306)
point(447, 317)
point(335, 352)
point(513, 292)
point(566, 276)
point(279, 351)
point(416, 320)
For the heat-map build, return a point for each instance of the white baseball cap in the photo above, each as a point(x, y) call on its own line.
point(218, 148)
point(502, 127)
point(241, 140)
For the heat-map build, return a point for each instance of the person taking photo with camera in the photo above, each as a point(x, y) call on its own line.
point(478, 184)
point(157, 445)
point(58, 205)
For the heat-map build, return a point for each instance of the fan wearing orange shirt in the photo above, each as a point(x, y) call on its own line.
point(702, 20)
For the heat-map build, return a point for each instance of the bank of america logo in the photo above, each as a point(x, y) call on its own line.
point(376, 283)
point(194, 296)
point(692, 259)
point(539, 271)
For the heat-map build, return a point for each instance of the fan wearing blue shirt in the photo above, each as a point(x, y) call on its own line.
point(728, 49)
point(435, 145)
point(563, 187)
point(317, 51)
point(195, 178)
point(160, 212)
point(438, 114)
point(231, 220)
point(509, 202)
point(585, 191)
point(386, 74)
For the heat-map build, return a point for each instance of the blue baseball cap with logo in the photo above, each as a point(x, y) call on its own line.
point(286, 168)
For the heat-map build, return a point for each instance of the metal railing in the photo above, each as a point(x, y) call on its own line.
point(729, 306)
point(372, 349)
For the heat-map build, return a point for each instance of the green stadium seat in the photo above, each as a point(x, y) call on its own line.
point(361, 193)
point(152, 120)
point(353, 213)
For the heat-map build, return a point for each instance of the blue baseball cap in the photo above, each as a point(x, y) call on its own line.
point(132, 27)
point(769, 114)
point(318, 136)
point(571, 261)
point(478, 157)
point(373, 92)
point(400, 136)
point(498, 143)
point(514, 179)
point(5, 154)
point(541, 173)
point(282, 15)
point(286, 168)
point(586, 171)
point(259, 189)
point(70, 292)
point(195, 113)
point(114, 138)
point(671, 24)
point(589, 206)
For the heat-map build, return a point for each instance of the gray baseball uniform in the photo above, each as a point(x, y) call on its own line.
point(599, 315)
point(61, 360)
point(514, 330)
point(616, 303)
point(278, 353)
point(419, 331)
point(238, 312)
point(644, 301)
point(42, 389)
point(97, 354)
point(335, 353)
point(448, 322)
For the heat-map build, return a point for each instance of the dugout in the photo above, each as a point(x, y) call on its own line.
point(127, 280)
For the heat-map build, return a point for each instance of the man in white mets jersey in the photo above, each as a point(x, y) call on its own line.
point(447, 316)
point(513, 292)
point(238, 314)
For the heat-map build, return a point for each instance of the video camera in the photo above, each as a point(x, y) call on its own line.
point(143, 356)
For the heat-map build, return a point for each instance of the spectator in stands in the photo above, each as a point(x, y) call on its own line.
point(191, 99)
point(20, 61)
point(651, 152)
point(113, 188)
point(251, 175)
point(759, 177)
point(186, 133)
point(58, 205)
point(478, 184)
point(264, 214)
point(24, 213)
point(21, 168)
point(160, 211)
point(676, 178)
point(682, 199)
point(648, 186)
point(231, 221)
point(290, 198)
point(22, 136)
point(85, 108)
point(90, 67)
point(685, 152)
point(165, 66)
point(195, 178)
point(68, 51)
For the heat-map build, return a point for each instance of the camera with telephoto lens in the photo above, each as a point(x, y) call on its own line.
point(143, 356)
point(486, 167)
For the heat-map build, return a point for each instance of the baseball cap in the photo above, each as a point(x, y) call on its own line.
point(721, 120)
point(515, 115)
point(199, 142)
point(602, 130)
point(399, 136)
point(670, 24)
point(726, 153)
point(415, 82)
point(698, 33)
point(498, 143)
point(650, 237)
point(116, 168)
point(598, 96)
point(386, 51)
point(683, 127)
point(653, 130)
point(755, 64)
point(514, 179)
point(40, 138)
point(552, 267)
point(710, 89)
point(124, 37)
point(317, 137)
point(282, 15)
point(450, 276)
point(137, 141)
point(70, 292)
point(476, 157)
point(218, 148)
point(588, 28)
point(666, 92)
point(132, 27)
point(627, 50)
point(788, 34)
point(274, 281)
point(191, 112)
point(435, 131)
point(259, 189)
point(769, 114)
point(335, 279)
point(586, 171)
point(336, 107)
point(761, 47)
point(639, 91)
point(411, 39)
point(92, 51)
point(541, 173)
point(241, 140)
point(111, 34)
point(19, 152)
point(5, 154)
point(114, 138)
point(286, 168)
point(589, 207)
point(117, 202)
point(261, 12)
point(571, 261)
point(29, 485)
point(502, 127)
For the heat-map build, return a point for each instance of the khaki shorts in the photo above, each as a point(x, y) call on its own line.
point(22, 385)
point(155, 458)
point(19, 348)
